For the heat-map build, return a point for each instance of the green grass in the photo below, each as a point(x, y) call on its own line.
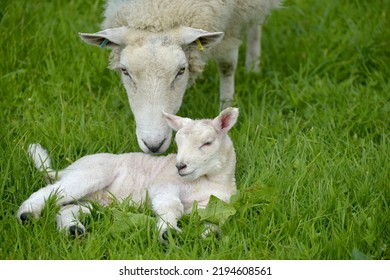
point(312, 139)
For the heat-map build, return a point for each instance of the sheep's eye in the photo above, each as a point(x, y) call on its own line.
point(181, 71)
point(125, 72)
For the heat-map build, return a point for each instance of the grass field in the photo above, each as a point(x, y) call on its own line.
point(312, 139)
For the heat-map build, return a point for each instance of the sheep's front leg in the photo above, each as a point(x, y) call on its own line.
point(226, 68)
point(253, 49)
point(167, 206)
point(68, 218)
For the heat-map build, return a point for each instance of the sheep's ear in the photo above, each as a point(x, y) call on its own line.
point(226, 119)
point(202, 38)
point(109, 38)
point(176, 122)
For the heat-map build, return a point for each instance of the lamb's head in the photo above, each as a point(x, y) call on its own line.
point(155, 71)
point(203, 145)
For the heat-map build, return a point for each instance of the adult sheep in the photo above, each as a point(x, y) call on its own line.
point(160, 46)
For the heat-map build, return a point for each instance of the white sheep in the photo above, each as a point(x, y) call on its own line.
point(203, 166)
point(160, 47)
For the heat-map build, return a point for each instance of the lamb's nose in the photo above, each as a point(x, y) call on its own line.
point(180, 166)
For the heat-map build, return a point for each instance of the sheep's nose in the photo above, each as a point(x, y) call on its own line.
point(180, 166)
point(154, 148)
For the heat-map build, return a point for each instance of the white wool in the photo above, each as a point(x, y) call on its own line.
point(203, 166)
point(229, 16)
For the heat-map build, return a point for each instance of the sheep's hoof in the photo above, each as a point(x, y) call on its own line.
point(225, 103)
point(25, 217)
point(76, 231)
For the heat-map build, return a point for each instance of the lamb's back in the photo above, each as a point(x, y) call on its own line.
point(136, 172)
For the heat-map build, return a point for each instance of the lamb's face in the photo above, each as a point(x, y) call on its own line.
point(199, 150)
point(201, 144)
point(155, 75)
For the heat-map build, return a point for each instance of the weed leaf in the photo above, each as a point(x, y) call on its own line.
point(126, 221)
point(217, 211)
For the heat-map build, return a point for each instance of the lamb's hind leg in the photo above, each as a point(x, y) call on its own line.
point(68, 218)
point(226, 68)
point(253, 49)
point(34, 205)
point(82, 178)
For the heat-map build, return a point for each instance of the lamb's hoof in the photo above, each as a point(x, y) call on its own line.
point(165, 236)
point(25, 217)
point(76, 231)
point(211, 230)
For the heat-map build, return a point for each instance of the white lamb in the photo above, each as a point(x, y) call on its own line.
point(204, 166)
point(160, 47)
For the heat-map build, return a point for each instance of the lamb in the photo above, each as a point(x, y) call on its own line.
point(159, 47)
point(203, 166)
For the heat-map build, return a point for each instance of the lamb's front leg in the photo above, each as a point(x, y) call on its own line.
point(167, 206)
point(253, 49)
point(209, 228)
point(226, 69)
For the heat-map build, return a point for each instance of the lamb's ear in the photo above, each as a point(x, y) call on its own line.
point(202, 38)
point(110, 38)
point(226, 119)
point(176, 122)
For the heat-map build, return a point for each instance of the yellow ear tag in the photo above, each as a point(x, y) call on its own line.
point(199, 45)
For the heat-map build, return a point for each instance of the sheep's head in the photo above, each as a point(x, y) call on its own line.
point(202, 144)
point(155, 71)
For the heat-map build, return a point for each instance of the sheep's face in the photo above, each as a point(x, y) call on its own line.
point(201, 147)
point(154, 71)
point(155, 77)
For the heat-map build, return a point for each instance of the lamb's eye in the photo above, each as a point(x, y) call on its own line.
point(206, 144)
point(181, 71)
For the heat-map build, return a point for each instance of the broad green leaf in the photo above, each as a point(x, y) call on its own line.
point(217, 211)
point(125, 221)
point(235, 198)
